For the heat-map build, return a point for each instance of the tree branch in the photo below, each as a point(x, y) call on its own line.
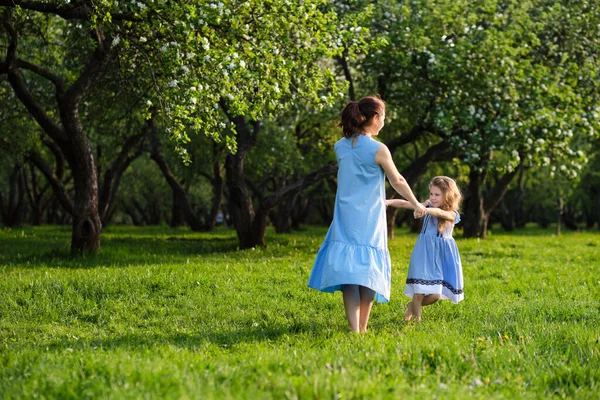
point(112, 176)
point(11, 50)
point(497, 193)
point(294, 188)
point(55, 79)
point(18, 84)
point(75, 10)
point(405, 138)
point(57, 185)
point(344, 64)
point(59, 157)
point(91, 71)
point(22, 91)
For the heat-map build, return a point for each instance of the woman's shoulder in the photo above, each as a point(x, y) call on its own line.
point(341, 143)
point(373, 144)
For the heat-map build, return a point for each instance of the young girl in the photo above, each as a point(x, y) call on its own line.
point(435, 270)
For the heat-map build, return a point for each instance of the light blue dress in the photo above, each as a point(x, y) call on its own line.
point(355, 249)
point(435, 266)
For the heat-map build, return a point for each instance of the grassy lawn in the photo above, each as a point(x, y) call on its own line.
point(164, 313)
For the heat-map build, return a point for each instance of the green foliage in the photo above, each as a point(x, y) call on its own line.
point(186, 315)
point(515, 77)
point(256, 57)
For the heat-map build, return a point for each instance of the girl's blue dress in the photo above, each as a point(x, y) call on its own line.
point(435, 266)
point(355, 249)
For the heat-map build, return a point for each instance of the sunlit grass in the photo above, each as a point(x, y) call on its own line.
point(168, 313)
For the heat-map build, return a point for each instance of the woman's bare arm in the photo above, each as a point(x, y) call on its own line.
point(383, 157)
point(398, 203)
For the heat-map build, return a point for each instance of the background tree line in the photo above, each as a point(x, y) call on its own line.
point(151, 112)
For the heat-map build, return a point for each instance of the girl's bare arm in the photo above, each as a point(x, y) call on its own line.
point(439, 213)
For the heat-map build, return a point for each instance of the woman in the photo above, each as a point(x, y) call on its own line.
point(354, 257)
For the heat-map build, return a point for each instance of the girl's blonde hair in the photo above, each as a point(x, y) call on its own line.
point(452, 197)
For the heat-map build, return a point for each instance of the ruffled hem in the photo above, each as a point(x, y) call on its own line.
point(340, 263)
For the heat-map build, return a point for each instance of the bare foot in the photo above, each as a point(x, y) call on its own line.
point(409, 312)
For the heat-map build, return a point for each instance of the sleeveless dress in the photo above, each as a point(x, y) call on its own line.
point(355, 249)
point(435, 266)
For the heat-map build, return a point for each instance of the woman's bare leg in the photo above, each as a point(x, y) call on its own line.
point(352, 306)
point(367, 296)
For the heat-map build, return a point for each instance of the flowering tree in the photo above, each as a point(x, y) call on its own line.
point(506, 84)
point(182, 58)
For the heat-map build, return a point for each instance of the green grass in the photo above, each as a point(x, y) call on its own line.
point(163, 313)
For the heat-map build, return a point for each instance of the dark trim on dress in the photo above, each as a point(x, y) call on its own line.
point(412, 281)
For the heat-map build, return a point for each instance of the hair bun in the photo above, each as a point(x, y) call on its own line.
point(357, 113)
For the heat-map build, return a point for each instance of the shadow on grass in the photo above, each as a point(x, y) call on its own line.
point(119, 251)
point(49, 246)
point(194, 341)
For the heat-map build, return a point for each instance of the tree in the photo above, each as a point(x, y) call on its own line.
point(499, 81)
point(184, 57)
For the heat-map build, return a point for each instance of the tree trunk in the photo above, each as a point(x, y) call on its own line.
point(112, 176)
point(560, 208)
point(69, 134)
point(300, 209)
point(11, 212)
point(217, 184)
point(180, 198)
point(281, 217)
point(241, 208)
point(478, 207)
point(86, 219)
point(249, 224)
point(177, 206)
point(475, 221)
point(34, 195)
point(507, 217)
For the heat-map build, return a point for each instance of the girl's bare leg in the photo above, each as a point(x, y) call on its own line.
point(409, 311)
point(417, 306)
point(367, 296)
point(430, 299)
point(352, 305)
point(420, 301)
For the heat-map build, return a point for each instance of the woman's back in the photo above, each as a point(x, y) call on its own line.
point(360, 200)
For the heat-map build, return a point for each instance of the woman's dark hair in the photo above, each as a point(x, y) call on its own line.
point(358, 113)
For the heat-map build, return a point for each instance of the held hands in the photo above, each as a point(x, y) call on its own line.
point(420, 211)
